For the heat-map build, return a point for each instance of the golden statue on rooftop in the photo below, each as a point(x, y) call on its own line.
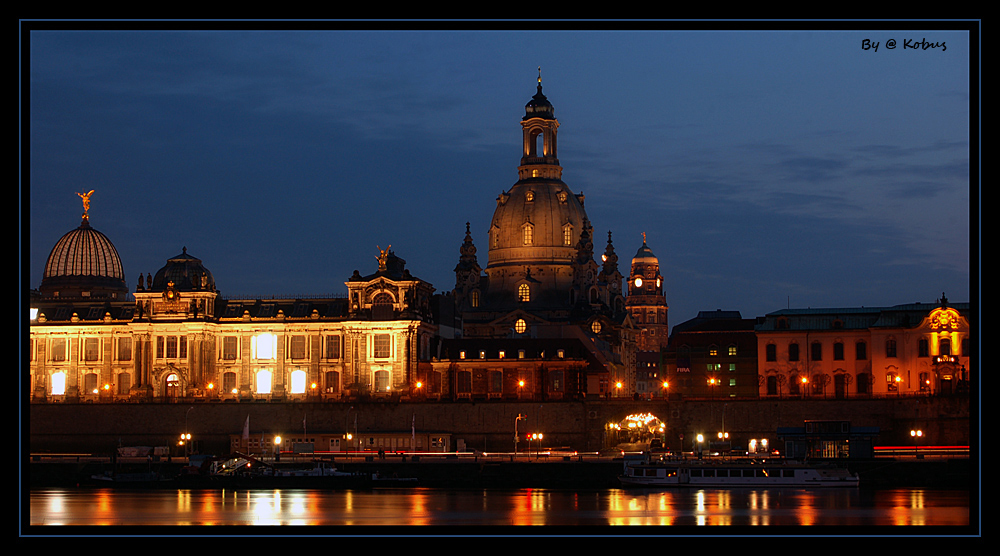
point(86, 202)
point(383, 257)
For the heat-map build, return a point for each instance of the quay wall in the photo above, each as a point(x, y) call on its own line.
point(484, 426)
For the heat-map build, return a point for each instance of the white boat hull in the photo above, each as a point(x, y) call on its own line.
point(667, 474)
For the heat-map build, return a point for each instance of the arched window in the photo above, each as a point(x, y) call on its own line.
point(567, 235)
point(474, 298)
point(527, 234)
point(382, 308)
point(523, 293)
point(944, 347)
point(173, 385)
point(890, 348)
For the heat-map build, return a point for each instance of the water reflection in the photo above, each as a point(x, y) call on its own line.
point(527, 507)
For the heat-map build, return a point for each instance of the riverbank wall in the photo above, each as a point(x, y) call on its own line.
point(486, 426)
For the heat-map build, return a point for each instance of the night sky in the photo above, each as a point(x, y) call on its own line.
point(767, 168)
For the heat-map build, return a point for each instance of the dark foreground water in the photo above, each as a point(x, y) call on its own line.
point(582, 512)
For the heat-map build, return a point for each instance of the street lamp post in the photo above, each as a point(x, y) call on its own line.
point(516, 438)
point(916, 435)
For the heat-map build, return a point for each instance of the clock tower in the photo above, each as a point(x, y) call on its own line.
point(646, 301)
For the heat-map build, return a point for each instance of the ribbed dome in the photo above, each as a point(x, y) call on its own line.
point(186, 272)
point(83, 262)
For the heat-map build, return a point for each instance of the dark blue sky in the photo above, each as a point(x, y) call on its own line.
point(767, 168)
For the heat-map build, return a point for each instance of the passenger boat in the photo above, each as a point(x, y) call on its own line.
point(665, 472)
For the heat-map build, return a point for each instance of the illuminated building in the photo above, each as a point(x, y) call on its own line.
point(713, 355)
point(541, 280)
point(909, 349)
point(179, 338)
point(646, 301)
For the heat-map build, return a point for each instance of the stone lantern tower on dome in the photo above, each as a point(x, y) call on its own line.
point(646, 301)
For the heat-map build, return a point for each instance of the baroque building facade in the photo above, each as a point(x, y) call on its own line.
point(541, 279)
point(910, 349)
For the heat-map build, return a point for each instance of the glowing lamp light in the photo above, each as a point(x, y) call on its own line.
point(420, 384)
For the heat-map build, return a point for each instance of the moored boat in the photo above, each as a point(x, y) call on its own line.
point(664, 472)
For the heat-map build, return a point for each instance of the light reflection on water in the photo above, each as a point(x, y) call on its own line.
point(526, 507)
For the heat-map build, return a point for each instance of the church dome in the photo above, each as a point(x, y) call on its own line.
point(536, 221)
point(644, 255)
point(185, 272)
point(84, 263)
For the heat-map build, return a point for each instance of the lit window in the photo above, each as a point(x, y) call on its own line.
point(474, 298)
point(527, 232)
point(713, 351)
point(523, 293)
point(482, 354)
point(298, 382)
point(264, 346)
point(502, 354)
point(520, 354)
point(461, 355)
point(567, 235)
point(264, 382)
point(560, 354)
point(732, 350)
point(58, 384)
point(520, 326)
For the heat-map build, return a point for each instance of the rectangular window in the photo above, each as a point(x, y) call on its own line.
point(159, 347)
point(732, 350)
point(182, 343)
point(382, 346)
point(793, 352)
point(229, 348)
point(861, 351)
point(496, 381)
point(298, 347)
point(171, 347)
point(333, 346)
point(124, 349)
point(771, 352)
point(91, 349)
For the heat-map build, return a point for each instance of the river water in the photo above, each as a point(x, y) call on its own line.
point(609, 511)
